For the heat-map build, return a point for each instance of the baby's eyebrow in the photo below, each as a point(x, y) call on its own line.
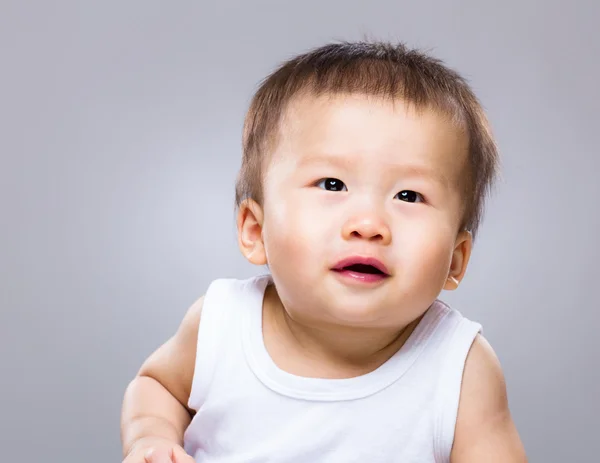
point(330, 160)
point(413, 170)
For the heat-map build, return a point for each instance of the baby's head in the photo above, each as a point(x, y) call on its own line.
point(363, 180)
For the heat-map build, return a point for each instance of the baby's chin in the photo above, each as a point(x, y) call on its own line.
point(353, 313)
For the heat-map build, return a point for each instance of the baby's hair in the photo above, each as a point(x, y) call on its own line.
point(378, 69)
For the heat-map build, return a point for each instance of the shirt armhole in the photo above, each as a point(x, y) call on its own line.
point(207, 344)
point(449, 387)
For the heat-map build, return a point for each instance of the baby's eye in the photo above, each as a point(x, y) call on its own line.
point(331, 184)
point(409, 196)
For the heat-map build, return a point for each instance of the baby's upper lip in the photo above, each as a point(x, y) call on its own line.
point(360, 260)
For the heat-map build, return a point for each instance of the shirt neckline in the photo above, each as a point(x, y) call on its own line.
point(321, 389)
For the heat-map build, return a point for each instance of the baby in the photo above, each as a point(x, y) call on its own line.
point(364, 174)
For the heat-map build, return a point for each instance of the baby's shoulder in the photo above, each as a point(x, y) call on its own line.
point(228, 295)
point(172, 364)
point(484, 425)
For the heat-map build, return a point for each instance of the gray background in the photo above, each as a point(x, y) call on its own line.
point(120, 141)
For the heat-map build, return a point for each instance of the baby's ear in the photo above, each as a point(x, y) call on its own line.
point(249, 227)
point(460, 260)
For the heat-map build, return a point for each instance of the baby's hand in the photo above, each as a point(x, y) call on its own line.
point(157, 451)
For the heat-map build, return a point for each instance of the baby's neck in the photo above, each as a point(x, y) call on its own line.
point(326, 351)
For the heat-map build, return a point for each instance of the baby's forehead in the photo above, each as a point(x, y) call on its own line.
point(355, 128)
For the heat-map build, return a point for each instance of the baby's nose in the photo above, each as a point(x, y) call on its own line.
point(367, 226)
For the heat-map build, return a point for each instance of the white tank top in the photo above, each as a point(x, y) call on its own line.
point(250, 411)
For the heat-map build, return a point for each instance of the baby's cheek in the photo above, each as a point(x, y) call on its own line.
point(439, 257)
point(284, 237)
point(430, 254)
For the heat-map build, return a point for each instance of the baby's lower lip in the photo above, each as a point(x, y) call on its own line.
point(361, 277)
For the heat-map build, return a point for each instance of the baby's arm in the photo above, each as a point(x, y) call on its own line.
point(484, 429)
point(155, 413)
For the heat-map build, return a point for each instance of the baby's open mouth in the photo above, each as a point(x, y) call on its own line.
point(363, 268)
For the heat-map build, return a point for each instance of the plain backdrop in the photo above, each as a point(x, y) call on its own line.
point(120, 129)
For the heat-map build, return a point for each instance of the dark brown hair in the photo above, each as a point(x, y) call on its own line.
point(379, 69)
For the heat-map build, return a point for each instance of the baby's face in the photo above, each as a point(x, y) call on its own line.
point(359, 179)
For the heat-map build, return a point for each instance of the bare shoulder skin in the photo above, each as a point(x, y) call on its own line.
point(485, 430)
point(155, 402)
